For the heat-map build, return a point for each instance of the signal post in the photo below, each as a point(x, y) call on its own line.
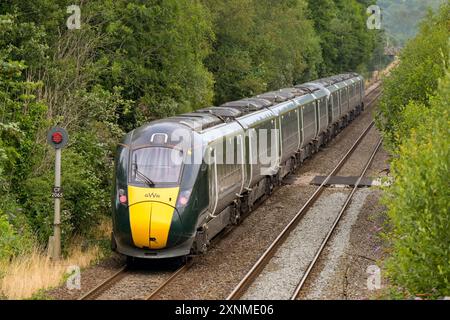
point(57, 137)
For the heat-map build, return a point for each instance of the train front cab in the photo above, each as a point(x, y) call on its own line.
point(156, 201)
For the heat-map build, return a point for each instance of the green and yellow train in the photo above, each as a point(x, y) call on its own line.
point(180, 181)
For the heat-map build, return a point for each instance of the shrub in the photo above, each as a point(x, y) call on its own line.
point(416, 78)
point(16, 237)
point(419, 200)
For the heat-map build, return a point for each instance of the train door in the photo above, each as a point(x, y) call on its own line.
point(336, 109)
point(251, 155)
point(317, 116)
point(330, 108)
point(268, 147)
point(347, 98)
point(240, 149)
point(213, 180)
point(322, 110)
point(229, 171)
point(289, 134)
point(298, 111)
point(342, 101)
point(308, 122)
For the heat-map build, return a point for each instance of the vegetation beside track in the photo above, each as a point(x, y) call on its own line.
point(414, 119)
point(132, 62)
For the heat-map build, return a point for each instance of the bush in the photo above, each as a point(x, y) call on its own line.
point(416, 78)
point(414, 120)
point(16, 236)
point(83, 203)
point(419, 200)
point(6, 238)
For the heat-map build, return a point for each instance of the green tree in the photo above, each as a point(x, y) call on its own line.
point(156, 54)
point(422, 65)
point(419, 200)
point(260, 46)
point(414, 119)
point(285, 43)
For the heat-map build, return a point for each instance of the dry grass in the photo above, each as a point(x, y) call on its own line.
point(26, 275)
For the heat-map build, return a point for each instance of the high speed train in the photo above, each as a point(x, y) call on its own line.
point(180, 181)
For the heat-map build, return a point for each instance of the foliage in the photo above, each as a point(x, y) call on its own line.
point(346, 42)
point(156, 54)
point(422, 64)
point(419, 200)
point(258, 46)
point(414, 120)
point(132, 62)
point(400, 18)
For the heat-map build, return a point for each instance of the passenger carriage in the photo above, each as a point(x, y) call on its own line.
point(180, 181)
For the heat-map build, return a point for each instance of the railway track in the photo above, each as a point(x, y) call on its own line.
point(258, 267)
point(105, 285)
point(161, 287)
point(313, 263)
point(125, 271)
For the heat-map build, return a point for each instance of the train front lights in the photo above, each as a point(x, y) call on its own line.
point(183, 198)
point(122, 196)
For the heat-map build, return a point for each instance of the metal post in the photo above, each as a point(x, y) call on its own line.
point(57, 218)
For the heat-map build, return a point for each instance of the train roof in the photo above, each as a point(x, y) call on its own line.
point(277, 96)
point(211, 117)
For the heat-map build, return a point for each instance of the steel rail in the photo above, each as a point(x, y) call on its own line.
point(257, 268)
point(105, 285)
point(336, 221)
point(180, 270)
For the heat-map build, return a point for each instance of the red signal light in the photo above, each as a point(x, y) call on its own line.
point(57, 137)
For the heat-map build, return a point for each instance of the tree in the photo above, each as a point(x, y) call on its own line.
point(260, 46)
point(423, 62)
point(156, 54)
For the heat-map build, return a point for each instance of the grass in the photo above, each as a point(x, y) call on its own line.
point(28, 276)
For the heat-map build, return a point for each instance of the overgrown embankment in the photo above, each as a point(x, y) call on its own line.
point(414, 119)
point(132, 62)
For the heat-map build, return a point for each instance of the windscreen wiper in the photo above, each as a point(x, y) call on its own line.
point(143, 177)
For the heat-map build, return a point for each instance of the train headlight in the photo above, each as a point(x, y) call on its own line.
point(122, 196)
point(183, 198)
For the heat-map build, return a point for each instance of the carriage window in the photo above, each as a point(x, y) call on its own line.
point(157, 164)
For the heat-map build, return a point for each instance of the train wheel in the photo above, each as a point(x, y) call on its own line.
point(235, 217)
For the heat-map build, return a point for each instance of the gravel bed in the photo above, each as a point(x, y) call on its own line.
point(137, 285)
point(138, 282)
point(338, 245)
point(90, 277)
point(214, 275)
point(342, 270)
point(283, 272)
point(357, 161)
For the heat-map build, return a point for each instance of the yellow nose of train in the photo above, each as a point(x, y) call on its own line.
point(151, 211)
